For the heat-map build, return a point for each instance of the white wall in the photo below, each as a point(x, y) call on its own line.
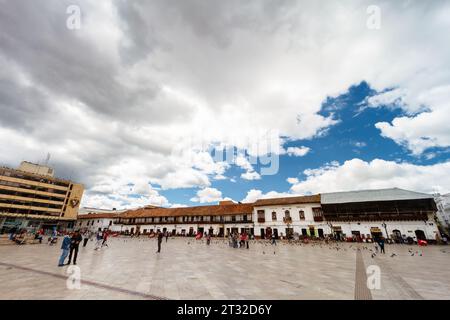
point(98, 223)
point(179, 227)
point(297, 223)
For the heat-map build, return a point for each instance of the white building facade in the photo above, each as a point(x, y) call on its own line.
point(392, 213)
point(93, 219)
point(291, 216)
point(359, 215)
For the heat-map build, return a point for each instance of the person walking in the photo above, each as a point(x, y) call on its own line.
point(85, 238)
point(99, 238)
point(105, 238)
point(208, 239)
point(160, 238)
point(74, 244)
point(65, 247)
point(167, 235)
point(381, 244)
point(274, 242)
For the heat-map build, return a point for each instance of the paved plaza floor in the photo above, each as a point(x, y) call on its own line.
point(188, 269)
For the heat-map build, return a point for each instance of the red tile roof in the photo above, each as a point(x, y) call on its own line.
point(214, 210)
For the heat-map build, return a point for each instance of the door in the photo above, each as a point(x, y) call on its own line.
point(275, 232)
point(263, 234)
point(289, 233)
point(420, 235)
point(320, 231)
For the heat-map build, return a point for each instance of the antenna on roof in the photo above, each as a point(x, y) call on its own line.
point(47, 159)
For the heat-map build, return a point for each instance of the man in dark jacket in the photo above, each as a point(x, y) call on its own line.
point(74, 243)
point(160, 238)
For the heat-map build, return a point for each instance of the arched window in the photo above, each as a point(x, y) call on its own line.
point(287, 214)
point(274, 216)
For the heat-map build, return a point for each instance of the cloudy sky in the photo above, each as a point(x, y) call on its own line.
point(179, 103)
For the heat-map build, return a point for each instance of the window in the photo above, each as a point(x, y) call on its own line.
point(301, 214)
point(261, 216)
point(287, 217)
point(317, 214)
point(274, 216)
point(233, 218)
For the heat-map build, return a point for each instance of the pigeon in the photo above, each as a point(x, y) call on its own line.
point(393, 255)
point(373, 255)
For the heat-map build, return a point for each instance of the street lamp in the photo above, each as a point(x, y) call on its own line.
point(385, 228)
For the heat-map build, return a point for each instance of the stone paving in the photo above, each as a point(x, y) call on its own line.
point(188, 269)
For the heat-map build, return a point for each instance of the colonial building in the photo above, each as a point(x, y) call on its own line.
point(289, 216)
point(31, 197)
point(93, 219)
point(218, 219)
point(392, 213)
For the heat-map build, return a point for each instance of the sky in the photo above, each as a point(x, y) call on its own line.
point(181, 103)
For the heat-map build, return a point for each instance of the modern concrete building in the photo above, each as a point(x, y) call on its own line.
point(31, 197)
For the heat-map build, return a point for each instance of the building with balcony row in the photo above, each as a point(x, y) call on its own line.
point(32, 198)
point(392, 213)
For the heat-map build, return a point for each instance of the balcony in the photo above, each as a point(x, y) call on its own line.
point(261, 220)
point(318, 219)
point(287, 220)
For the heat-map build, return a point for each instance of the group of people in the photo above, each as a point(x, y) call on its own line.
point(71, 243)
point(237, 240)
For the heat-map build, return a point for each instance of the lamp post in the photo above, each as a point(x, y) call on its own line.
point(385, 228)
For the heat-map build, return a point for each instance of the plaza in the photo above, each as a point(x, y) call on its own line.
point(189, 269)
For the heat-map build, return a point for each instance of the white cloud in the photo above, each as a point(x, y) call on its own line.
point(357, 174)
point(297, 151)
point(255, 194)
point(251, 175)
point(292, 180)
point(207, 195)
point(360, 144)
point(178, 205)
point(138, 82)
point(245, 164)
